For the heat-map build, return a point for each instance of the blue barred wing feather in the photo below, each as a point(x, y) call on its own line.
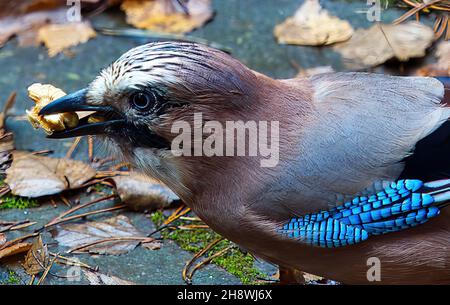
point(403, 204)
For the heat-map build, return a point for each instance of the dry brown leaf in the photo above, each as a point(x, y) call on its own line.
point(381, 42)
point(37, 258)
point(2, 239)
point(142, 193)
point(14, 249)
point(312, 25)
point(24, 18)
point(97, 278)
point(43, 95)
point(443, 55)
point(6, 138)
point(167, 15)
point(15, 8)
point(35, 176)
point(29, 38)
point(58, 37)
point(18, 25)
point(75, 235)
point(442, 66)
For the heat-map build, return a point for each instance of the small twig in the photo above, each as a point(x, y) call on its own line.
point(178, 210)
point(266, 280)
point(73, 147)
point(65, 201)
point(414, 10)
point(17, 226)
point(104, 161)
point(177, 214)
point(108, 174)
point(206, 261)
point(71, 262)
point(32, 280)
point(90, 140)
point(447, 35)
point(119, 207)
point(4, 190)
point(160, 229)
point(23, 226)
point(42, 152)
point(190, 218)
point(44, 275)
point(8, 105)
point(7, 223)
point(78, 207)
point(196, 256)
point(107, 183)
point(91, 182)
point(437, 7)
point(16, 240)
point(192, 227)
point(110, 239)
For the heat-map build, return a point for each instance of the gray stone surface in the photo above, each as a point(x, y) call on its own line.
point(140, 266)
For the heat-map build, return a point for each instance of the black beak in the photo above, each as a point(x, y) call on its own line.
point(77, 102)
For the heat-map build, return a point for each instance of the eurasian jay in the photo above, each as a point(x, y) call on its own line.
point(363, 165)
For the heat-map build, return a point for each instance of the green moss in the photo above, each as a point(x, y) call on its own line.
point(14, 202)
point(157, 218)
point(240, 265)
point(12, 279)
point(234, 261)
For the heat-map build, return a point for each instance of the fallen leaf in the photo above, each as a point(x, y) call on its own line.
point(17, 25)
point(96, 278)
point(37, 258)
point(58, 37)
point(381, 42)
point(312, 25)
point(442, 66)
point(142, 193)
point(6, 138)
point(29, 38)
point(74, 235)
point(14, 249)
point(15, 8)
point(24, 18)
point(2, 239)
point(35, 176)
point(167, 15)
point(443, 55)
point(153, 245)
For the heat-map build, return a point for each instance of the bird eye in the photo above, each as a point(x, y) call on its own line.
point(143, 101)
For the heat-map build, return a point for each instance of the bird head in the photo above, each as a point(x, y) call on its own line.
point(142, 94)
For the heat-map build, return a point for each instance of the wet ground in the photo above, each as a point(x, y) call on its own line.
point(243, 26)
